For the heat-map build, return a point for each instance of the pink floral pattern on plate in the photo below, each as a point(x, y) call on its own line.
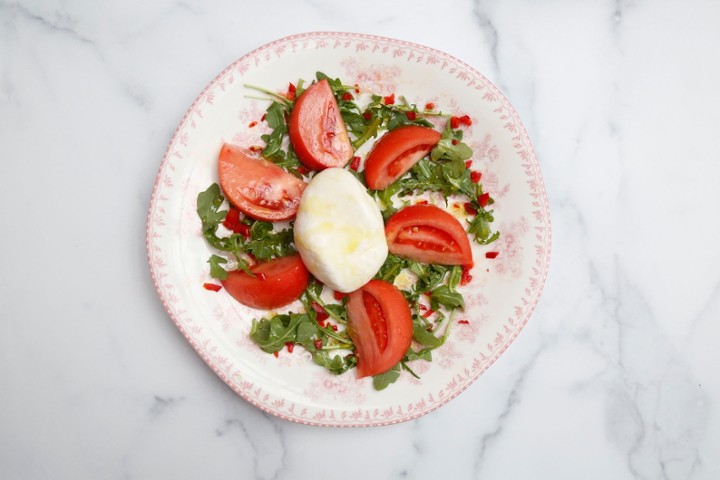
point(500, 300)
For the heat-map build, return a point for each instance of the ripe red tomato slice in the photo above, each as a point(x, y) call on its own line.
point(317, 129)
point(428, 234)
point(257, 187)
point(396, 153)
point(276, 283)
point(380, 325)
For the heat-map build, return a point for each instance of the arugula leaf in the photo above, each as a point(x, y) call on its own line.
point(450, 147)
point(479, 227)
point(455, 276)
point(381, 381)
point(275, 118)
point(337, 364)
point(422, 354)
point(430, 276)
point(448, 298)
point(208, 208)
point(424, 337)
point(266, 243)
point(216, 269)
point(307, 333)
point(272, 335)
point(386, 199)
point(391, 268)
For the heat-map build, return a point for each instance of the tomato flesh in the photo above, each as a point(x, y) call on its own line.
point(276, 283)
point(396, 153)
point(317, 130)
point(377, 320)
point(428, 234)
point(257, 187)
point(380, 325)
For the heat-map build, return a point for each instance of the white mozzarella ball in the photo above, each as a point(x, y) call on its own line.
point(339, 231)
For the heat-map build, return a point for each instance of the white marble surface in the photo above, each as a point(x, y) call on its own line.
point(615, 376)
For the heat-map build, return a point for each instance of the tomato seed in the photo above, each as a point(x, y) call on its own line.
point(252, 124)
point(491, 254)
point(212, 287)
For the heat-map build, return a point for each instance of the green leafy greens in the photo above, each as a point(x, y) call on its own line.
point(433, 295)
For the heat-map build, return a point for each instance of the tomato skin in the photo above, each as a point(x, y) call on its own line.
point(428, 234)
point(380, 325)
point(396, 153)
point(277, 283)
point(317, 129)
point(258, 187)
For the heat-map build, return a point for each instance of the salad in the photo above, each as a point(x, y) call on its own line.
point(412, 163)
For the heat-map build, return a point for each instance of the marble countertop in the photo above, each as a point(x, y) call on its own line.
point(614, 377)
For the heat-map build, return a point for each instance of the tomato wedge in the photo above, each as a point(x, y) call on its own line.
point(428, 234)
point(396, 153)
point(276, 283)
point(317, 129)
point(380, 325)
point(258, 187)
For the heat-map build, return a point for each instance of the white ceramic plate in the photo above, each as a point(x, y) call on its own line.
point(499, 300)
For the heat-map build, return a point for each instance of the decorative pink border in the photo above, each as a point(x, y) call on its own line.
point(359, 417)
